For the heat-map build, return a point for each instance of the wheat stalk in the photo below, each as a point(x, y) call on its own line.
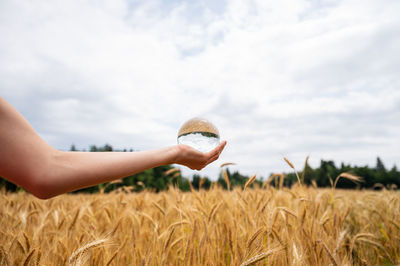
point(116, 252)
point(294, 169)
point(261, 256)
point(249, 182)
point(343, 175)
point(190, 184)
point(339, 241)
point(214, 210)
point(74, 220)
point(287, 211)
point(28, 258)
point(227, 181)
point(159, 207)
point(28, 245)
point(4, 258)
point(201, 182)
point(226, 164)
point(253, 237)
point(171, 171)
point(348, 176)
point(79, 252)
point(304, 169)
point(330, 255)
point(38, 257)
point(169, 239)
point(281, 180)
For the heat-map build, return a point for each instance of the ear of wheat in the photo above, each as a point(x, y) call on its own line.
point(226, 164)
point(304, 169)
point(228, 182)
point(348, 176)
point(172, 171)
point(79, 252)
point(261, 256)
point(294, 169)
point(249, 182)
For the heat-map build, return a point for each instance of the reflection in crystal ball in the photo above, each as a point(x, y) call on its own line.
point(200, 134)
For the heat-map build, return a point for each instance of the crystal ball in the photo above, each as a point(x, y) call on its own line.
point(200, 134)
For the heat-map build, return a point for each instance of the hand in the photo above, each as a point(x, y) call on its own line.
point(195, 159)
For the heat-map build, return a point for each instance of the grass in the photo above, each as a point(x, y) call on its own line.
point(255, 226)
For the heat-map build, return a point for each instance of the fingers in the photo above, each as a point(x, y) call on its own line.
point(217, 150)
point(222, 145)
point(196, 160)
point(214, 154)
point(212, 159)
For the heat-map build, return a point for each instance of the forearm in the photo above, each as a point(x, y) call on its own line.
point(68, 171)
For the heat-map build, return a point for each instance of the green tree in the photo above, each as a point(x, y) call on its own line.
point(380, 167)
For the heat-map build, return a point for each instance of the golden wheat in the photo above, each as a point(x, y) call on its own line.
point(227, 181)
point(258, 226)
point(226, 164)
point(294, 169)
point(250, 181)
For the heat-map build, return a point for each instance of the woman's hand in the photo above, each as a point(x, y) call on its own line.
point(195, 159)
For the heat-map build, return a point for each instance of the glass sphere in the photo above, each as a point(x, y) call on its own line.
point(199, 133)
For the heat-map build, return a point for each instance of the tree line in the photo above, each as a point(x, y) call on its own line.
point(375, 177)
point(162, 177)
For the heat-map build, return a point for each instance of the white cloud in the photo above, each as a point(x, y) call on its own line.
point(279, 78)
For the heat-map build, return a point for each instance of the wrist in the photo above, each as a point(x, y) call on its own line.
point(172, 154)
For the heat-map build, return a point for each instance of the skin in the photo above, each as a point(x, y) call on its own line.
point(28, 161)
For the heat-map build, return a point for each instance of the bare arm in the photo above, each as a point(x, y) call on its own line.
point(28, 161)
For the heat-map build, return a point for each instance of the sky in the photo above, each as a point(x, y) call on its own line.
point(288, 78)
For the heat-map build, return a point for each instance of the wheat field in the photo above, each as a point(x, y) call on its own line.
point(255, 226)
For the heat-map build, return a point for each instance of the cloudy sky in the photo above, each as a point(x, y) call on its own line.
point(278, 78)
